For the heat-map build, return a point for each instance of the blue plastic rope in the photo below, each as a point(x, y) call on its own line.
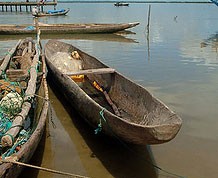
point(99, 128)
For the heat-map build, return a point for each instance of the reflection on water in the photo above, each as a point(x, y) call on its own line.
point(99, 151)
point(118, 37)
point(212, 41)
point(203, 52)
point(73, 147)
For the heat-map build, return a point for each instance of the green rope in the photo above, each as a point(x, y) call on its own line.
point(8, 53)
point(99, 128)
point(4, 76)
point(5, 124)
point(22, 138)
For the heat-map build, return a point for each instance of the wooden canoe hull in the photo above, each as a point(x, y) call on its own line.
point(41, 14)
point(65, 28)
point(8, 170)
point(137, 104)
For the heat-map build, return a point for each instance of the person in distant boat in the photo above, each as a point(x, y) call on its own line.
point(35, 10)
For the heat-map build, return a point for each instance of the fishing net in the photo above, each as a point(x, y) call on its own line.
point(65, 62)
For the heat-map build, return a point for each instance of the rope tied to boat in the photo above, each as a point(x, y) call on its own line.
point(99, 128)
point(22, 138)
point(3, 75)
point(9, 53)
point(5, 124)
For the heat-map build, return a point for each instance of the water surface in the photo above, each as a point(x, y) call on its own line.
point(177, 61)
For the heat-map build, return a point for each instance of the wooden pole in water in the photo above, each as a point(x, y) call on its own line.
point(149, 15)
point(148, 30)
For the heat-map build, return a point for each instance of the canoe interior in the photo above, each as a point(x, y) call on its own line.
point(136, 105)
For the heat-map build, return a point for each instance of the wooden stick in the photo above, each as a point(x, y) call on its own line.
point(8, 57)
point(149, 14)
point(107, 97)
point(43, 169)
point(112, 104)
point(30, 47)
point(24, 51)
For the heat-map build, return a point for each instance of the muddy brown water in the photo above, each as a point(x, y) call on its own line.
point(70, 145)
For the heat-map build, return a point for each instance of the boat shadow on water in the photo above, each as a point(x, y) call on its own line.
point(118, 158)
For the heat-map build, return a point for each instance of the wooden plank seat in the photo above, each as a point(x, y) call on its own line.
point(91, 71)
point(17, 74)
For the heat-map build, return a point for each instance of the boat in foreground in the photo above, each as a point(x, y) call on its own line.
point(52, 13)
point(23, 105)
point(107, 100)
point(66, 28)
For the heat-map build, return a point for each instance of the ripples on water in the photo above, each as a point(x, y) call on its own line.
point(177, 62)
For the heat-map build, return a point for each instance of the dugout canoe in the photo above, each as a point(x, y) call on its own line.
point(23, 118)
point(66, 28)
point(52, 13)
point(110, 102)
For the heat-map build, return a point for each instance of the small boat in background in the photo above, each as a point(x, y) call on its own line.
point(107, 100)
point(51, 13)
point(121, 4)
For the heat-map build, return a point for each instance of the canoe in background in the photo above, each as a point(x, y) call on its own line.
point(107, 100)
point(65, 28)
point(52, 13)
point(28, 92)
